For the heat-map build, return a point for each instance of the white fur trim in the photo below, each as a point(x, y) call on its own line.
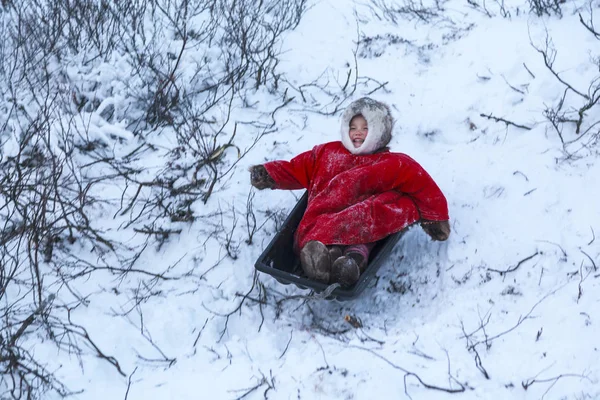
point(379, 122)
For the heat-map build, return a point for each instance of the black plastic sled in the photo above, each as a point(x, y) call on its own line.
point(280, 261)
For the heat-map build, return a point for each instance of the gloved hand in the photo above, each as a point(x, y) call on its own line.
point(260, 179)
point(438, 230)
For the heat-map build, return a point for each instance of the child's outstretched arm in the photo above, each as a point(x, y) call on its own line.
point(294, 174)
point(429, 199)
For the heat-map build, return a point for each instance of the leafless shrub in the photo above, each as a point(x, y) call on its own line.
point(191, 62)
point(240, 42)
point(481, 7)
point(545, 7)
point(252, 225)
point(570, 114)
point(45, 205)
point(420, 12)
point(330, 92)
point(243, 37)
point(408, 10)
point(375, 46)
point(537, 7)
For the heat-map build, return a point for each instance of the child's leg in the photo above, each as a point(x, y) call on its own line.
point(360, 253)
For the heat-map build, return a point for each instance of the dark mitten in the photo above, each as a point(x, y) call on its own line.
point(438, 230)
point(260, 179)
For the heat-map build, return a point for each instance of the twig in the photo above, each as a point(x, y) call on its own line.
point(323, 352)
point(507, 122)
point(129, 383)
point(549, 61)
point(512, 269)
point(522, 174)
point(527, 383)
point(200, 333)
point(370, 338)
point(287, 345)
point(530, 73)
point(580, 292)
point(29, 320)
point(589, 27)
point(146, 335)
point(512, 87)
point(564, 253)
point(82, 332)
point(450, 377)
point(237, 308)
point(473, 347)
point(263, 381)
point(408, 374)
point(591, 260)
point(521, 319)
point(593, 236)
point(381, 86)
point(419, 353)
point(329, 331)
point(479, 364)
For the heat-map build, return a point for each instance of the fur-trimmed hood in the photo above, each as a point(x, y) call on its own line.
point(379, 119)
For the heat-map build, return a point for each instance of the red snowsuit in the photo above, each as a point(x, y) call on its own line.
point(355, 199)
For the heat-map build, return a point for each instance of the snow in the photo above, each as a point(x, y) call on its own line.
point(516, 202)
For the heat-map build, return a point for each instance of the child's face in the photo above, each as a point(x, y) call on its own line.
point(358, 130)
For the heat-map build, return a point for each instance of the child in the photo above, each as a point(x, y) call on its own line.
point(358, 193)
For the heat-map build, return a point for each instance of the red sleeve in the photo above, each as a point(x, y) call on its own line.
point(294, 174)
point(420, 186)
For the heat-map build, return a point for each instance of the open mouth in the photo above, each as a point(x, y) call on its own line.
point(357, 142)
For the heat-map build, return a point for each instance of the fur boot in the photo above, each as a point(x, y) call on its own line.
point(345, 271)
point(315, 261)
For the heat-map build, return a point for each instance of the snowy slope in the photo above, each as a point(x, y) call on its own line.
point(508, 307)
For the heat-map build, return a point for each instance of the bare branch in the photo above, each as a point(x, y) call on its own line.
point(129, 383)
point(528, 382)
point(591, 259)
point(521, 319)
point(512, 269)
point(549, 55)
point(507, 122)
point(408, 374)
point(287, 345)
point(589, 26)
point(528, 70)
